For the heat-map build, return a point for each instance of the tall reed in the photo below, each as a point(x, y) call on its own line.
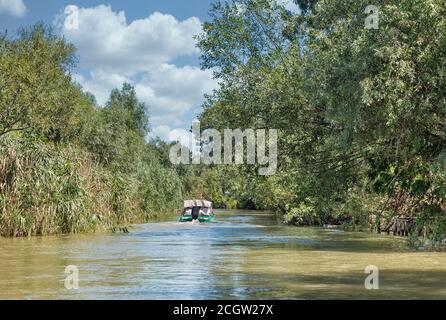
point(47, 189)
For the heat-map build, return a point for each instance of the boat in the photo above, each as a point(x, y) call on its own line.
point(197, 210)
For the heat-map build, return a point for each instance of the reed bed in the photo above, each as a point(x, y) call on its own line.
point(47, 189)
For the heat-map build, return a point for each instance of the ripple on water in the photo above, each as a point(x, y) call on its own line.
point(241, 255)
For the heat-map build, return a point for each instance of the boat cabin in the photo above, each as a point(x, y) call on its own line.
point(200, 210)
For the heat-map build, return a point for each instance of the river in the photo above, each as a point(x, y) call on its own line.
point(242, 255)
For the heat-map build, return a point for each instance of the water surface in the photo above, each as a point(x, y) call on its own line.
point(242, 255)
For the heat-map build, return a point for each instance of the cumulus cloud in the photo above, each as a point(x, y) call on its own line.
point(171, 92)
point(113, 51)
point(13, 7)
point(106, 40)
point(175, 90)
point(101, 83)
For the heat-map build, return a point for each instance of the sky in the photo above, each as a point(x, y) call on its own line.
point(147, 43)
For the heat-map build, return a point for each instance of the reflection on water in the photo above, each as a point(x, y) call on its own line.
point(243, 255)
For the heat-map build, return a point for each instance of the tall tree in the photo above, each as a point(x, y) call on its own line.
point(136, 112)
point(359, 109)
point(35, 85)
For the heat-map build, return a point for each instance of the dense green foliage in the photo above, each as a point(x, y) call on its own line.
point(361, 112)
point(67, 165)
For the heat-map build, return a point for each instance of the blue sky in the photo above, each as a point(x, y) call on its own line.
point(46, 10)
point(148, 43)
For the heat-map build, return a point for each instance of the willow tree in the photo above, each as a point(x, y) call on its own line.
point(36, 92)
point(357, 92)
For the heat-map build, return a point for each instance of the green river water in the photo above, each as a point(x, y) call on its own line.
point(242, 255)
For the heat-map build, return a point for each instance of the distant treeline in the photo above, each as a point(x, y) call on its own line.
point(359, 98)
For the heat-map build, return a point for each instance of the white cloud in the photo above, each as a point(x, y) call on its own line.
point(161, 131)
point(289, 5)
point(168, 134)
point(13, 7)
point(105, 39)
point(141, 53)
point(174, 90)
point(101, 83)
point(171, 92)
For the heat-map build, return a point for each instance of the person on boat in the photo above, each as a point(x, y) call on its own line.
point(202, 212)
